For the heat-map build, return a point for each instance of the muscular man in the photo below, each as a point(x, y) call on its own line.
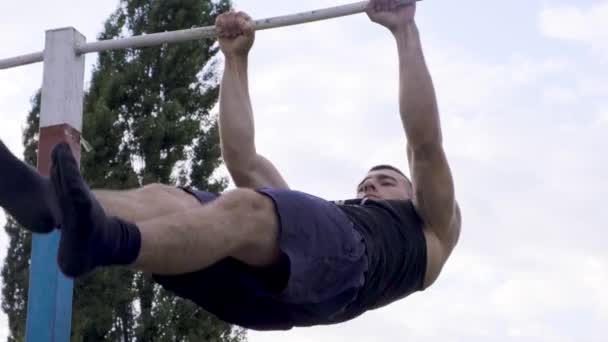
point(263, 256)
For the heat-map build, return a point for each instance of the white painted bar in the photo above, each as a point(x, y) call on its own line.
point(63, 79)
point(209, 31)
point(21, 60)
point(155, 39)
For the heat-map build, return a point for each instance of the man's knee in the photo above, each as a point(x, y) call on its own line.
point(259, 228)
point(248, 202)
point(255, 210)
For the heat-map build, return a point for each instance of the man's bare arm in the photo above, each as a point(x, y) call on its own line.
point(431, 174)
point(247, 168)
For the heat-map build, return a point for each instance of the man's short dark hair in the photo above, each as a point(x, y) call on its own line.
point(390, 167)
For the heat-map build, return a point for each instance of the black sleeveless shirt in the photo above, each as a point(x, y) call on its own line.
point(396, 251)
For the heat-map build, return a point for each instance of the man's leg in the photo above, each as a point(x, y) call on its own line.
point(145, 203)
point(30, 199)
point(26, 195)
point(241, 224)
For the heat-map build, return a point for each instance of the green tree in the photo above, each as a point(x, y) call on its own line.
point(148, 118)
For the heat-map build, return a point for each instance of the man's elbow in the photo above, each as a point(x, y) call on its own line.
point(242, 178)
point(449, 231)
point(237, 156)
point(241, 171)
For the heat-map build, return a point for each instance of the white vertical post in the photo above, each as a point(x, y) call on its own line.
point(50, 292)
point(63, 80)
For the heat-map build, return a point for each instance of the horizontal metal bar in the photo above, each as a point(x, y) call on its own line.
point(209, 31)
point(21, 60)
point(155, 39)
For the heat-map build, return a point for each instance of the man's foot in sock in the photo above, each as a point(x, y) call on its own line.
point(26, 195)
point(89, 238)
point(84, 221)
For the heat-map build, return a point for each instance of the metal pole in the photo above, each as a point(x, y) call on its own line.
point(155, 39)
point(49, 312)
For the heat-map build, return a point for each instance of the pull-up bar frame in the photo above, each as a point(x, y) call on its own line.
point(49, 312)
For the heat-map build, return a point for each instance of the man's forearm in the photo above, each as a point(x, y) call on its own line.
point(237, 132)
point(247, 168)
point(417, 100)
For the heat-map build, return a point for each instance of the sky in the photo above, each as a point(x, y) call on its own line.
point(522, 88)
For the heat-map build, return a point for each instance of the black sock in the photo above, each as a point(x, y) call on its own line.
point(26, 195)
point(89, 238)
point(118, 244)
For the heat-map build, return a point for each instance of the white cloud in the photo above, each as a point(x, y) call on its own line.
point(559, 95)
point(586, 25)
point(603, 117)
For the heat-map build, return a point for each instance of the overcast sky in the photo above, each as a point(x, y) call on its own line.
point(522, 87)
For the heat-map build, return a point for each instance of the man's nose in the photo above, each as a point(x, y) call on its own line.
point(369, 186)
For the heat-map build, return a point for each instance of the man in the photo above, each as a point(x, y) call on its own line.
point(263, 256)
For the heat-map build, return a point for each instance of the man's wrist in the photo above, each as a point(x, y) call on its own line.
point(236, 59)
point(405, 30)
point(407, 36)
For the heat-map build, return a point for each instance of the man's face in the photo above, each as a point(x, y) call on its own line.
point(384, 184)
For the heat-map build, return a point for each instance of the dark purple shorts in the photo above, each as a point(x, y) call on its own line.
point(326, 260)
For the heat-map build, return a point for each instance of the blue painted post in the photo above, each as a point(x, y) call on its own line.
point(49, 312)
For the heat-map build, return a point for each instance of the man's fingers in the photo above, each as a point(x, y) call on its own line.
point(230, 24)
point(234, 24)
point(222, 32)
point(246, 25)
point(376, 6)
point(222, 24)
point(370, 7)
point(244, 16)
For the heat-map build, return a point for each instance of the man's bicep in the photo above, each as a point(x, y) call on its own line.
point(433, 188)
point(266, 175)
